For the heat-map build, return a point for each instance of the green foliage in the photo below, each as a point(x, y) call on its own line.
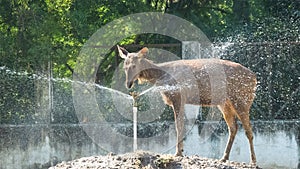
point(37, 35)
point(16, 101)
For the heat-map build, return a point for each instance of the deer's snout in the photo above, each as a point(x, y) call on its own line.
point(129, 84)
point(130, 79)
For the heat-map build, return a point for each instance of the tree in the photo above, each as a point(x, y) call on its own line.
point(35, 34)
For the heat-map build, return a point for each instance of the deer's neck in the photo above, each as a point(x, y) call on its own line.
point(151, 73)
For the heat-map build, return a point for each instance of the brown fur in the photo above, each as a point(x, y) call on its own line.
point(207, 82)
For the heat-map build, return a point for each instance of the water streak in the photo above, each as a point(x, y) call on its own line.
point(65, 80)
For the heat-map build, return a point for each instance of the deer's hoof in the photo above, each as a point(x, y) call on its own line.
point(253, 163)
point(223, 160)
point(178, 154)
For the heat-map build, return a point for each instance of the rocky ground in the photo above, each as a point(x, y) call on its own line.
point(149, 160)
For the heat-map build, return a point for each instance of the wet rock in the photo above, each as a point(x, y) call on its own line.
point(149, 160)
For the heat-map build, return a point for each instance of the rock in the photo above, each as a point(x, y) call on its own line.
point(150, 160)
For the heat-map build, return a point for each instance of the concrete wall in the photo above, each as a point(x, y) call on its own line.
point(277, 144)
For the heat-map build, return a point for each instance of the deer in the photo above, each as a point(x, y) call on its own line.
point(205, 82)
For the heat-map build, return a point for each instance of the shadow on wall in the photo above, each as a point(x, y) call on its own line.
point(298, 142)
point(42, 146)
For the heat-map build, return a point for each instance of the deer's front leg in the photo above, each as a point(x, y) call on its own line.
point(179, 124)
point(176, 101)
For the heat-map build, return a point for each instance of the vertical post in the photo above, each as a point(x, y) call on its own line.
point(44, 95)
point(134, 128)
point(191, 50)
point(50, 90)
point(269, 79)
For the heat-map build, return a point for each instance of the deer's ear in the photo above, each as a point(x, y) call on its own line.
point(143, 52)
point(122, 52)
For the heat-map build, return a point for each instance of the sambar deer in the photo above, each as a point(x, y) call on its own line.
point(206, 82)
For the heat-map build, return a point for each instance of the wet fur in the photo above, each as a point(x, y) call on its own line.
point(232, 94)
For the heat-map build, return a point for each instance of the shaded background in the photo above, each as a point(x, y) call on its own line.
point(40, 40)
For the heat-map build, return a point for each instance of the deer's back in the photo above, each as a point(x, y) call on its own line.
point(211, 81)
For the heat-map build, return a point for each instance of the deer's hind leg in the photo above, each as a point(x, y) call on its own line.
point(243, 110)
point(229, 114)
point(179, 124)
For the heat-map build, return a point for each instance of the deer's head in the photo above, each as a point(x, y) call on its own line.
point(133, 64)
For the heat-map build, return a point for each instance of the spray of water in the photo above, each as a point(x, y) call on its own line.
point(65, 80)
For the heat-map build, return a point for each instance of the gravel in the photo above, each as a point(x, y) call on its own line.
point(149, 160)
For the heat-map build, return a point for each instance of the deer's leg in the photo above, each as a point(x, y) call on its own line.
point(229, 114)
point(243, 115)
point(179, 124)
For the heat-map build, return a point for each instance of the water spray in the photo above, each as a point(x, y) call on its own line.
point(134, 110)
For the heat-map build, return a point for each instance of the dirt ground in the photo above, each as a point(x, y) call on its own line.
point(149, 160)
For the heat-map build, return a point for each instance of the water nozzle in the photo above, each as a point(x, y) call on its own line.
point(135, 95)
